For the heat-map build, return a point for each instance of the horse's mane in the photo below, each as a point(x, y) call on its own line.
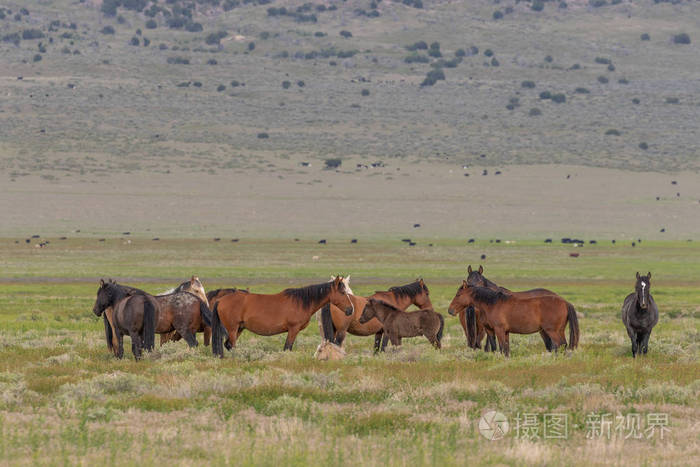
point(386, 305)
point(213, 293)
point(408, 290)
point(309, 294)
point(488, 296)
point(487, 282)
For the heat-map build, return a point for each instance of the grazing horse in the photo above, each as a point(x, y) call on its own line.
point(195, 287)
point(640, 314)
point(502, 314)
point(398, 323)
point(336, 324)
point(477, 279)
point(269, 314)
point(132, 314)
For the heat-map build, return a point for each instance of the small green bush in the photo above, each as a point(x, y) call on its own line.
point(365, 92)
point(672, 100)
point(497, 15)
point(643, 146)
point(582, 91)
point(681, 38)
point(558, 98)
point(220, 88)
point(534, 112)
point(612, 132)
point(286, 84)
point(645, 37)
point(537, 5)
point(545, 95)
point(333, 163)
point(151, 24)
point(603, 80)
point(528, 84)
point(488, 52)
point(346, 34)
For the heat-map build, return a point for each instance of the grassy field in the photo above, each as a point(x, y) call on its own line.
point(65, 399)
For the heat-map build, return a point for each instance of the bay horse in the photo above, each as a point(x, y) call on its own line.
point(335, 323)
point(132, 314)
point(475, 332)
point(502, 314)
point(195, 287)
point(269, 314)
point(398, 323)
point(178, 311)
point(640, 314)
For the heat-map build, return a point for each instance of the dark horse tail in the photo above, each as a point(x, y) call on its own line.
point(442, 328)
point(327, 326)
point(217, 336)
point(205, 312)
point(573, 325)
point(471, 327)
point(149, 324)
point(108, 333)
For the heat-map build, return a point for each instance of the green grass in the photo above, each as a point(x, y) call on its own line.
point(65, 399)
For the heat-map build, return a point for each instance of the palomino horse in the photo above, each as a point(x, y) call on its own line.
point(131, 314)
point(477, 279)
point(336, 324)
point(640, 314)
point(288, 311)
point(195, 287)
point(399, 323)
point(502, 314)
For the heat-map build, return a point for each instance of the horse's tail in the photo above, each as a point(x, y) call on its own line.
point(442, 328)
point(573, 325)
point(205, 312)
point(471, 327)
point(217, 337)
point(327, 326)
point(149, 324)
point(108, 333)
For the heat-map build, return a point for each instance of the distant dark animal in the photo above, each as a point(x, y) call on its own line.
point(485, 172)
point(613, 242)
point(416, 225)
point(566, 240)
point(406, 240)
point(217, 239)
point(471, 240)
point(269, 314)
point(133, 314)
point(640, 314)
point(27, 240)
point(633, 244)
point(594, 242)
point(354, 240)
point(663, 230)
point(155, 239)
point(548, 240)
point(36, 236)
point(411, 243)
point(474, 328)
point(503, 314)
point(498, 172)
point(398, 324)
point(673, 182)
point(335, 323)
point(483, 256)
point(574, 255)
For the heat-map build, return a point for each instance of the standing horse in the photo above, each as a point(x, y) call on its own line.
point(269, 314)
point(475, 331)
point(398, 323)
point(195, 287)
point(131, 314)
point(336, 324)
point(178, 311)
point(640, 314)
point(502, 314)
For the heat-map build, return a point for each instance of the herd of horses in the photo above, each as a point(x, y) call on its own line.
point(484, 310)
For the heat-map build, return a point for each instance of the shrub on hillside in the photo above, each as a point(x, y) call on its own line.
point(333, 163)
point(582, 91)
point(681, 38)
point(537, 5)
point(534, 112)
point(603, 80)
point(643, 146)
point(528, 84)
point(151, 24)
point(286, 84)
point(645, 37)
point(558, 98)
point(345, 34)
point(29, 34)
point(612, 132)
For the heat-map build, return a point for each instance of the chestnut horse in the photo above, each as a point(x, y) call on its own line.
point(475, 332)
point(269, 314)
point(335, 324)
point(502, 314)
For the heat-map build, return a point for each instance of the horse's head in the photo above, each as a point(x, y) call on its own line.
point(476, 278)
point(340, 294)
point(346, 283)
point(195, 287)
point(368, 312)
point(104, 298)
point(422, 298)
point(642, 290)
point(463, 299)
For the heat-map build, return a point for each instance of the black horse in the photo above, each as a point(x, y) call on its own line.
point(640, 314)
point(133, 314)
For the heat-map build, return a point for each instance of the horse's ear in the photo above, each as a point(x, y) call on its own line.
point(464, 283)
point(347, 279)
point(649, 275)
point(481, 269)
point(194, 278)
point(102, 282)
point(637, 275)
point(469, 269)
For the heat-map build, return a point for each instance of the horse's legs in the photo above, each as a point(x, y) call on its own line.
point(463, 322)
point(207, 335)
point(291, 337)
point(645, 342)
point(378, 340)
point(547, 341)
point(491, 342)
point(119, 353)
point(502, 341)
point(385, 340)
point(633, 338)
point(135, 344)
point(191, 339)
point(339, 337)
